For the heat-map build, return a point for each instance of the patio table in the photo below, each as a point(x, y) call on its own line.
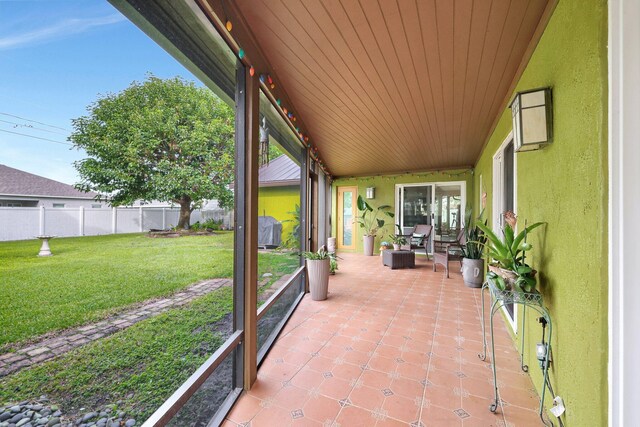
point(399, 259)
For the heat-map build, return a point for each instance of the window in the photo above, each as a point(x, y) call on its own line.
point(14, 205)
point(58, 205)
point(96, 206)
point(505, 198)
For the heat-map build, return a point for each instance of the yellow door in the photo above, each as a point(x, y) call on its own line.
point(347, 204)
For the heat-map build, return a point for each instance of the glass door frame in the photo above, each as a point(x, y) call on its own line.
point(399, 201)
point(498, 203)
point(340, 212)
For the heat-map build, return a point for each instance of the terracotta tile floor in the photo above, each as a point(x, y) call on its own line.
point(387, 348)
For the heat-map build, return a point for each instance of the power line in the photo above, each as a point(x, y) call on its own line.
point(36, 137)
point(16, 124)
point(35, 121)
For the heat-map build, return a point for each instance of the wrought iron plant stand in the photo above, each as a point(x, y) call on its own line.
point(533, 300)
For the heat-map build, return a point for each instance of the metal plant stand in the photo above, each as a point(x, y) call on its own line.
point(527, 299)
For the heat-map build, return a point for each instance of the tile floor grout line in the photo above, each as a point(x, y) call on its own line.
point(353, 303)
point(435, 326)
point(395, 315)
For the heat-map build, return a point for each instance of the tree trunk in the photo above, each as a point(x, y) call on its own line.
point(185, 213)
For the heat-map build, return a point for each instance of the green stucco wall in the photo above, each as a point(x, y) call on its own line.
point(278, 202)
point(385, 195)
point(565, 185)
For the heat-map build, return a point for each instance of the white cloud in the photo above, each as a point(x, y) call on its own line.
point(58, 30)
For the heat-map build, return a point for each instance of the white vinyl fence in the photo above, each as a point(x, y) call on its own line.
point(26, 223)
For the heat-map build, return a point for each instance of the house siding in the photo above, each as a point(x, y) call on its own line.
point(48, 202)
point(565, 185)
point(279, 202)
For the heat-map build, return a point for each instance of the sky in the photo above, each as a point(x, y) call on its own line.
point(56, 58)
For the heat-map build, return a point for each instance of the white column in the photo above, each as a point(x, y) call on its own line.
point(42, 220)
point(81, 221)
point(624, 211)
point(141, 219)
point(164, 218)
point(114, 220)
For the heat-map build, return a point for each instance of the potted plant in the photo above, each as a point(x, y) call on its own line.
point(370, 223)
point(318, 268)
point(472, 261)
point(333, 263)
point(398, 240)
point(509, 270)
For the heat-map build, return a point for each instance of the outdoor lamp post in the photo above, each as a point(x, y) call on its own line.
point(532, 115)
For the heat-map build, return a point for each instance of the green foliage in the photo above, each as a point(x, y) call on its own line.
point(58, 292)
point(475, 239)
point(140, 366)
point(292, 241)
point(333, 263)
point(209, 224)
point(398, 239)
point(274, 152)
point(315, 256)
point(165, 140)
point(368, 218)
point(497, 281)
point(510, 254)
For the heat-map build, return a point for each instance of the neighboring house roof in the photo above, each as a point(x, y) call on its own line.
point(20, 183)
point(279, 172)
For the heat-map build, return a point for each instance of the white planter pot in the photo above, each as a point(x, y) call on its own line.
point(331, 245)
point(473, 272)
point(396, 247)
point(368, 244)
point(318, 271)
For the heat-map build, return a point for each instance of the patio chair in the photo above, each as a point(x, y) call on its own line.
point(445, 251)
point(418, 238)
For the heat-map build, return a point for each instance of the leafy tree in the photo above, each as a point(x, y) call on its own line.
point(274, 152)
point(292, 241)
point(165, 140)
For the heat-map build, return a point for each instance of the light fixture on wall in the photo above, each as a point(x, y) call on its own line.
point(532, 114)
point(371, 192)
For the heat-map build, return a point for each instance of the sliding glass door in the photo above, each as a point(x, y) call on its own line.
point(440, 205)
point(448, 210)
point(415, 201)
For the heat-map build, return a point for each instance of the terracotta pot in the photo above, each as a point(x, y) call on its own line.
point(502, 272)
point(318, 271)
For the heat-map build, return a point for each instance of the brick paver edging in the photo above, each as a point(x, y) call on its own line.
point(48, 348)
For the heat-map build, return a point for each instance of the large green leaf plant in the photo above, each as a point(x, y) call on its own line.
point(475, 238)
point(369, 217)
point(509, 254)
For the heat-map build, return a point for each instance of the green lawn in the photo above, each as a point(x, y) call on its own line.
point(89, 278)
point(140, 366)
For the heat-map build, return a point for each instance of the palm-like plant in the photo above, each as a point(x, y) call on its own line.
point(510, 254)
point(512, 250)
point(368, 219)
point(475, 238)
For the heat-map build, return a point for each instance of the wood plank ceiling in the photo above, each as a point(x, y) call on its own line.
point(391, 86)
